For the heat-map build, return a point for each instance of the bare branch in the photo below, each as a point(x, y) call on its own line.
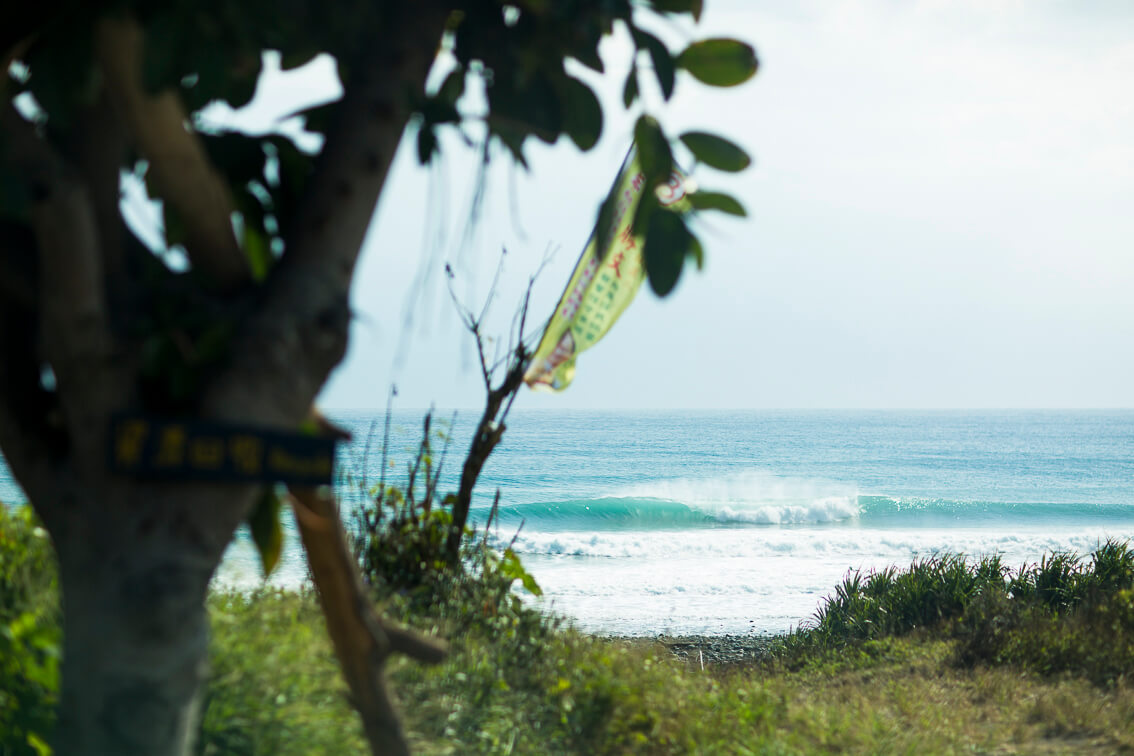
point(181, 170)
point(495, 282)
point(362, 641)
point(490, 429)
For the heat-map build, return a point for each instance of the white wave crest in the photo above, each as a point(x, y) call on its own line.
point(757, 497)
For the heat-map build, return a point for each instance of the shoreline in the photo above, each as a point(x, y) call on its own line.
point(701, 651)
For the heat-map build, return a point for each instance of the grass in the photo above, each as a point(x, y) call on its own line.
point(1063, 614)
point(944, 657)
point(570, 693)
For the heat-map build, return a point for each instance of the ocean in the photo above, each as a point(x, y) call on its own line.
point(699, 522)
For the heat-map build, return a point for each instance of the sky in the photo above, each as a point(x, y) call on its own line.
point(941, 215)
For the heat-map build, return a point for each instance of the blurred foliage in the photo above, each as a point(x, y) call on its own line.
point(274, 685)
point(30, 639)
point(516, 53)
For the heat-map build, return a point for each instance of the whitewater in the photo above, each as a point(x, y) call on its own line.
point(642, 523)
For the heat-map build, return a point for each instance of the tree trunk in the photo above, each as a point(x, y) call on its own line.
point(135, 627)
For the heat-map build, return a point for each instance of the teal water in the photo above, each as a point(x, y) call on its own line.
point(643, 522)
point(647, 522)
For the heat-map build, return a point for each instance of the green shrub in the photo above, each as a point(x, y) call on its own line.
point(29, 634)
point(892, 603)
point(1060, 615)
point(1112, 566)
point(1095, 641)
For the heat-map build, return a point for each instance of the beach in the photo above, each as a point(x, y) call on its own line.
point(638, 524)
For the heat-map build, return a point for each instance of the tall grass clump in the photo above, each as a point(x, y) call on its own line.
point(1064, 613)
point(890, 602)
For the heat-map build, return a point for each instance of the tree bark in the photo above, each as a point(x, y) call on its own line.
point(135, 564)
point(136, 558)
point(135, 639)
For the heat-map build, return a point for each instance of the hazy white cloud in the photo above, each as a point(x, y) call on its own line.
point(940, 216)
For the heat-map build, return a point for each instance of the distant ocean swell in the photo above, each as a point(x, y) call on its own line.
point(649, 513)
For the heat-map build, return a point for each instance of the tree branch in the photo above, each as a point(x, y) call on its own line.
point(96, 147)
point(181, 171)
point(18, 266)
point(299, 334)
point(497, 403)
point(74, 335)
point(362, 641)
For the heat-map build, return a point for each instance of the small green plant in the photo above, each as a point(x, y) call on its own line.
point(402, 540)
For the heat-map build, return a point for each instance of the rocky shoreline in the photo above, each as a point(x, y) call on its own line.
point(705, 650)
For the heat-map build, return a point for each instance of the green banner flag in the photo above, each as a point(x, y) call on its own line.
point(604, 283)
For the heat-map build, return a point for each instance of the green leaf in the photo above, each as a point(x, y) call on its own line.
point(654, 154)
point(297, 58)
point(529, 103)
point(662, 60)
point(582, 119)
point(267, 533)
point(589, 57)
point(726, 203)
point(697, 251)
point(258, 251)
point(719, 62)
point(604, 224)
point(239, 84)
point(426, 144)
point(511, 567)
point(175, 231)
point(667, 241)
point(318, 118)
point(692, 7)
point(513, 139)
point(38, 744)
point(630, 89)
point(435, 110)
point(453, 86)
point(639, 224)
point(716, 151)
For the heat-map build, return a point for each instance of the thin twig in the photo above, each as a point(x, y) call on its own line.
point(491, 516)
point(385, 451)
